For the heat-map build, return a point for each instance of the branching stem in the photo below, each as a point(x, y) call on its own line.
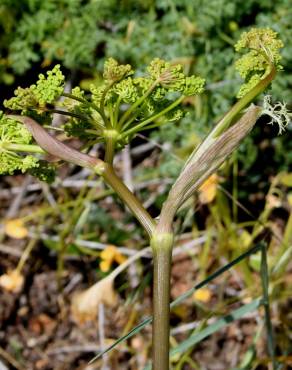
point(102, 103)
point(153, 117)
point(128, 198)
point(91, 105)
point(137, 103)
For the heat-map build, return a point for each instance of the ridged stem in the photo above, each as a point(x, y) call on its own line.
point(139, 126)
point(243, 102)
point(162, 250)
point(137, 103)
point(110, 142)
point(58, 149)
point(90, 105)
point(128, 198)
point(27, 148)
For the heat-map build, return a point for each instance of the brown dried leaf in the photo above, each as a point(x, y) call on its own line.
point(208, 190)
point(12, 281)
point(85, 304)
point(15, 229)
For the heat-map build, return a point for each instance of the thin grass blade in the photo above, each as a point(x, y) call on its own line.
point(213, 328)
point(266, 303)
point(182, 297)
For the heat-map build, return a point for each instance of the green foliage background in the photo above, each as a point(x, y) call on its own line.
point(36, 34)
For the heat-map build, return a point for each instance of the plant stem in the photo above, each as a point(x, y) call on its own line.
point(242, 103)
point(66, 113)
point(26, 254)
point(116, 113)
point(91, 105)
point(57, 148)
point(109, 150)
point(153, 117)
point(162, 250)
point(102, 103)
point(110, 143)
point(128, 198)
point(137, 103)
point(23, 148)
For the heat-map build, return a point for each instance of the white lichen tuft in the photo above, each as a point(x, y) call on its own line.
point(277, 112)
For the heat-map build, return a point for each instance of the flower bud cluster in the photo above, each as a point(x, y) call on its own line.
point(263, 54)
point(12, 134)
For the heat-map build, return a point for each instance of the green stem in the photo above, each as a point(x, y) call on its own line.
point(133, 118)
point(23, 148)
point(155, 125)
point(116, 113)
point(66, 113)
point(162, 250)
point(111, 114)
point(129, 198)
point(74, 97)
point(202, 163)
point(110, 143)
point(102, 102)
point(243, 102)
point(109, 150)
point(153, 117)
point(229, 117)
point(26, 254)
point(91, 131)
point(91, 105)
point(81, 117)
point(137, 103)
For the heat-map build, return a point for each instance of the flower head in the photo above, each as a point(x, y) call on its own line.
point(46, 90)
point(113, 72)
point(12, 132)
point(264, 54)
point(262, 40)
point(126, 90)
point(14, 135)
point(49, 88)
point(172, 78)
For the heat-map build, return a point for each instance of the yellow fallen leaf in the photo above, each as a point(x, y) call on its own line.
point(181, 311)
point(105, 266)
point(12, 281)
point(208, 190)
point(203, 295)
point(109, 255)
point(84, 306)
point(119, 258)
point(15, 229)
